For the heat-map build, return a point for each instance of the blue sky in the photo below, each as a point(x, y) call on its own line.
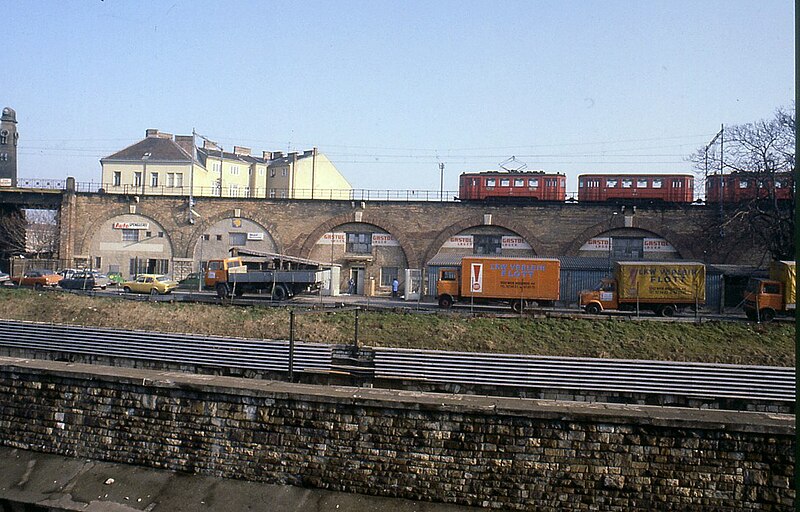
point(390, 89)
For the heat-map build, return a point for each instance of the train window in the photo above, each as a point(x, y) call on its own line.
point(778, 183)
point(627, 183)
point(743, 184)
point(657, 183)
point(534, 182)
point(641, 183)
point(677, 184)
point(611, 183)
point(580, 183)
point(519, 182)
point(491, 182)
point(505, 182)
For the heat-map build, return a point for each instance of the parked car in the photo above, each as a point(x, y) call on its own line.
point(66, 273)
point(37, 278)
point(85, 280)
point(191, 282)
point(153, 284)
point(116, 278)
point(4, 278)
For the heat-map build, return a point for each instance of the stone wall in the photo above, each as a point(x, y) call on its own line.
point(489, 452)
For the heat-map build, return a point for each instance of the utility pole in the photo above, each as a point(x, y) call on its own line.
point(441, 181)
point(721, 178)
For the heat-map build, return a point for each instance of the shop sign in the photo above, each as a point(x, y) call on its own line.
point(384, 240)
point(455, 242)
point(514, 242)
point(657, 245)
point(131, 225)
point(332, 239)
point(255, 236)
point(597, 244)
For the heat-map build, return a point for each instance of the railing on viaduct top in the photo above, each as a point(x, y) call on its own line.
point(244, 192)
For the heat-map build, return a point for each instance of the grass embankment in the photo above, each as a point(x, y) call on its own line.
point(722, 342)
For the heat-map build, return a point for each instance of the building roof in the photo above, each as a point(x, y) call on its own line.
point(160, 150)
point(204, 153)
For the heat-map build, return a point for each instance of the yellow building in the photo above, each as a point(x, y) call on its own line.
point(161, 164)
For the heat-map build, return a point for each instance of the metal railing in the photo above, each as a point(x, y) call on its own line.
point(703, 380)
point(245, 192)
point(193, 349)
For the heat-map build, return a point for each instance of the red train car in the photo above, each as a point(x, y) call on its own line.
point(512, 186)
point(674, 188)
point(742, 186)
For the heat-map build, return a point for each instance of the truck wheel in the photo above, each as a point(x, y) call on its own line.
point(279, 293)
point(751, 315)
point(445, 301)
point(767, 315)
point(593, 309)
point(517, 306)
point(667, 310)
point(222, 290)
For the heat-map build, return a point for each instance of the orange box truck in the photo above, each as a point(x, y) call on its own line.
point(514, 281)
point(765, 298)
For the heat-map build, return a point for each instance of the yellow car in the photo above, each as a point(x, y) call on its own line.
point(153, 284)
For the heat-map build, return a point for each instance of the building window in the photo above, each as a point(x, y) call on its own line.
point(359, 243)
point(238, 239)
point(219, 238)
point(206, 237)
point(117, 178)
point(137, 179)
point(272, 173)
point(148, 234)
point(388, 274)
point(234, 169)
point(130, 235)
point(487, 244)
point(261, 171)
point(272, 193)
point(285, 173)
point(160, 234)
point(153, 179)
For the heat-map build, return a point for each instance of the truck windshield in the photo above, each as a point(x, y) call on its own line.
point(752, 285)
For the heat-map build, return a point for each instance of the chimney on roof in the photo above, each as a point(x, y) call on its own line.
point(241, 151)
point(292, 154)
point(207, 144)
point(308, 152)
point(185, 142)
point(164, 135)
point(266, 155)
point(277, 154)
point(151, 132)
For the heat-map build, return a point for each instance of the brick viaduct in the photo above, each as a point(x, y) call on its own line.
point(421, 228)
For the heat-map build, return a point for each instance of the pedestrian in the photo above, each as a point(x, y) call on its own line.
point(395, 286)
point(351, 286)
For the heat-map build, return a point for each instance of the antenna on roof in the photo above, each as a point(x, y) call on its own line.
point(512, 165)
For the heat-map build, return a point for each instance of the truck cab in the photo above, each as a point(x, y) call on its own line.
point(763, 298)
point(448, 286)
point(603, 296)
point(217, 270)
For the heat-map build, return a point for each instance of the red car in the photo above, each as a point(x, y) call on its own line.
point(37, 278)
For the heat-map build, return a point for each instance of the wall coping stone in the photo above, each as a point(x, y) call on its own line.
point(735, 421)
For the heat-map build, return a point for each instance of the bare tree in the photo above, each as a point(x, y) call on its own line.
point(764, 153)
point(31, 232)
